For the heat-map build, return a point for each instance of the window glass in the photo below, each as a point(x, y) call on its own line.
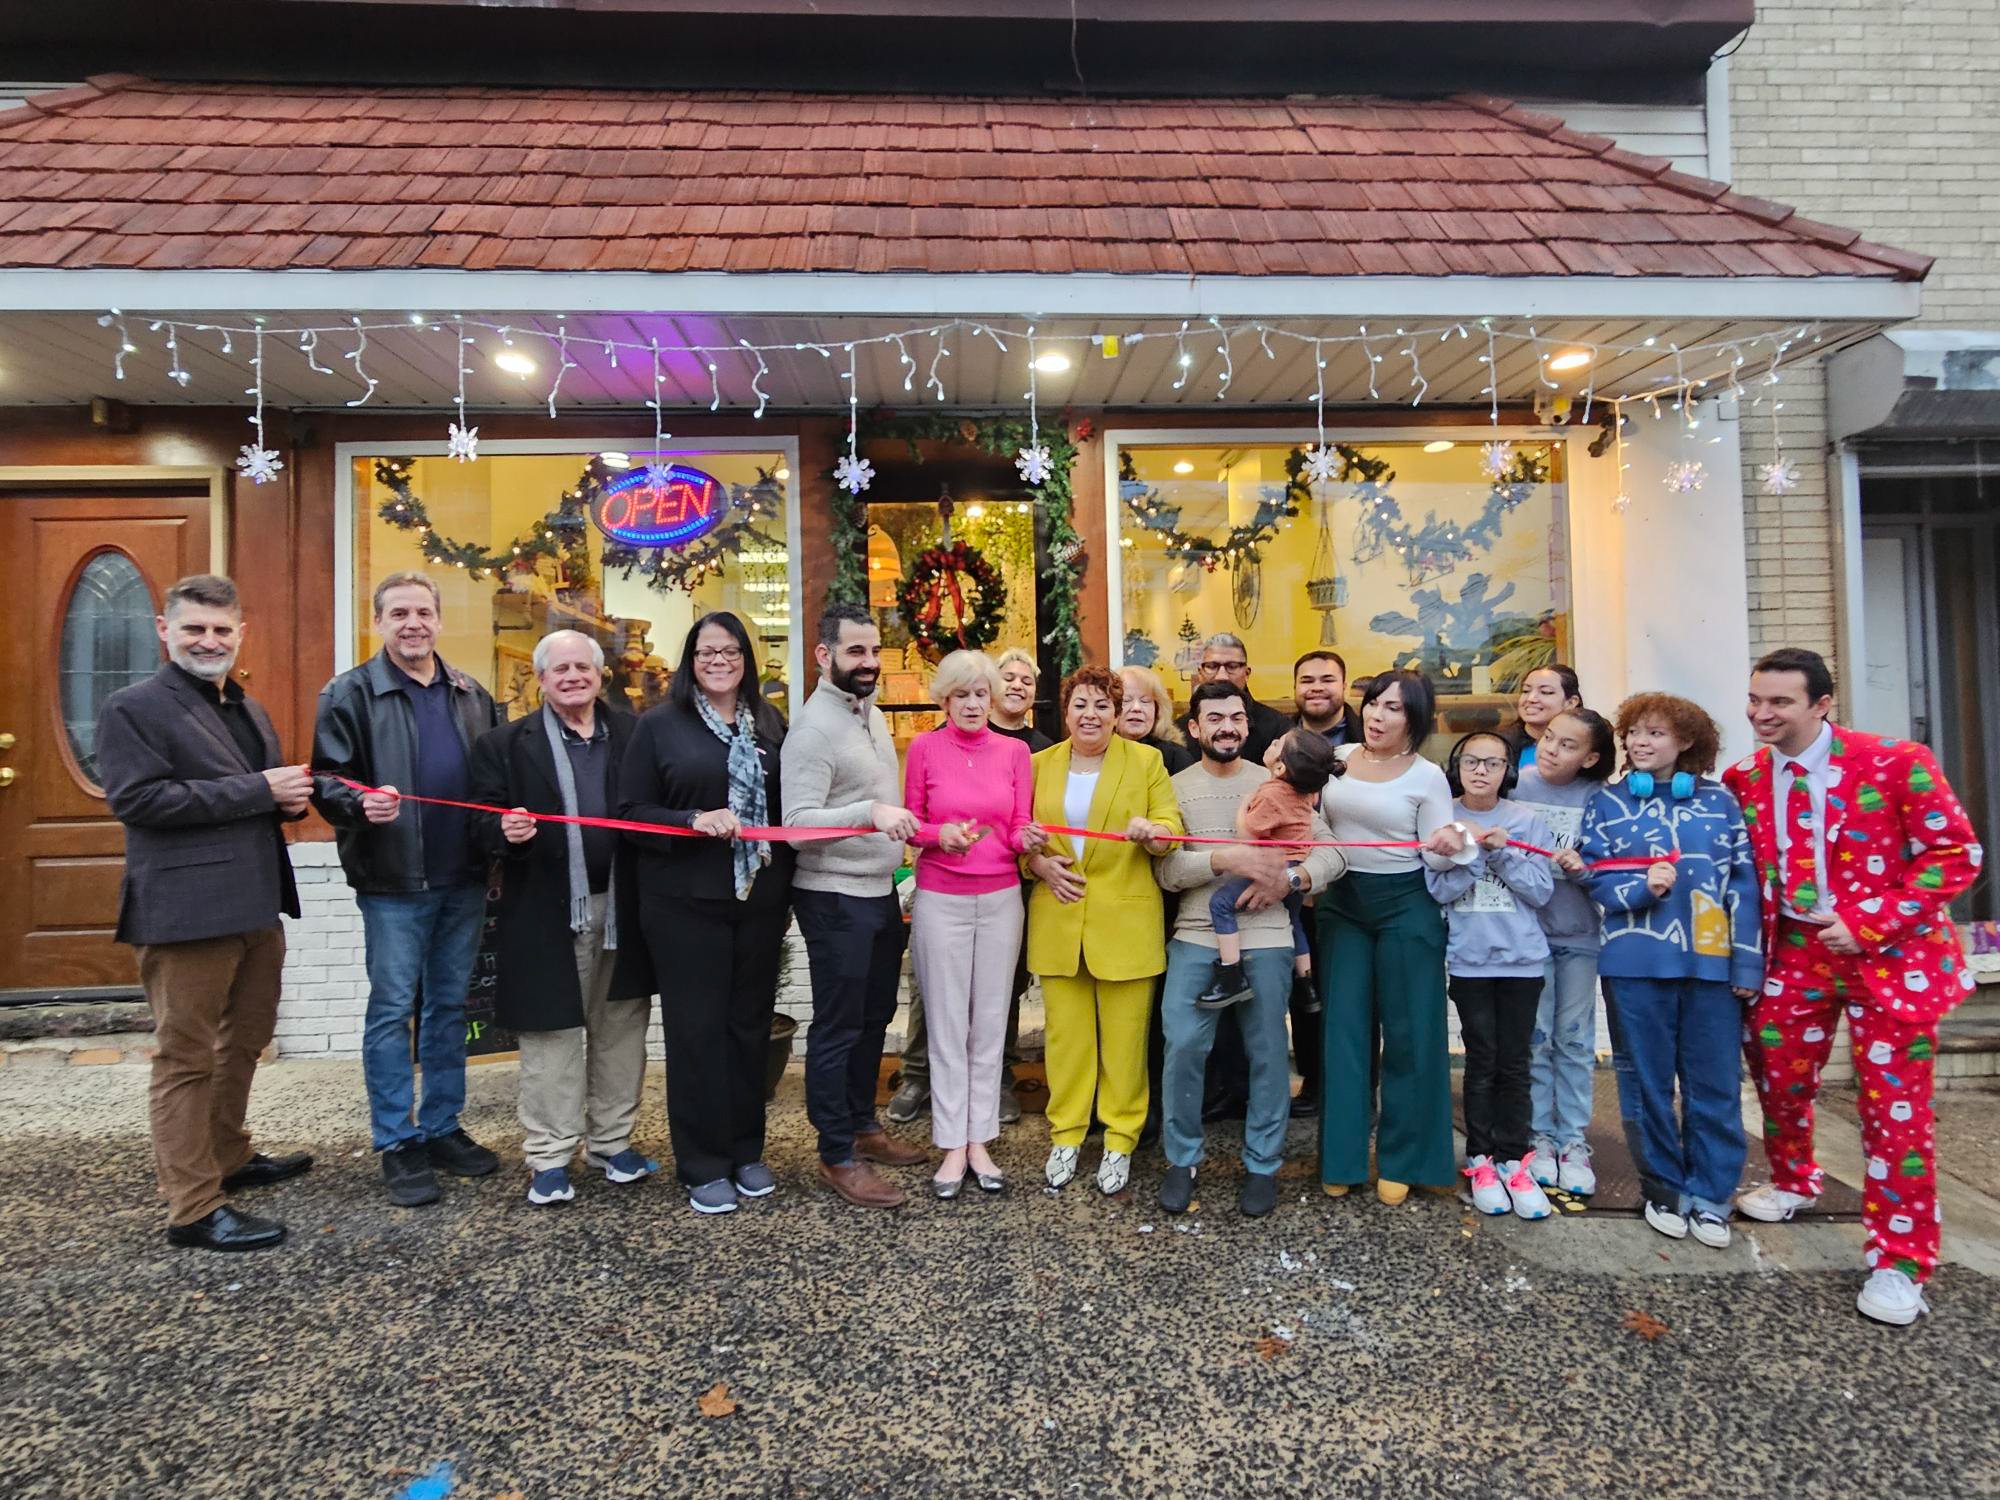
point(636, 597)
point(108, 642)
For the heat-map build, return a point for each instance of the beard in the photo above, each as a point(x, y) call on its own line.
point(860, 682)
point(1222, 754)
point(207, 668)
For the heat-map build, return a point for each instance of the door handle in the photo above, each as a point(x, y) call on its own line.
point(6, 777)
point(6, 742)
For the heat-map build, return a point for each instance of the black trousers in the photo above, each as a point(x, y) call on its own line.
point(715, 1011)
point(854, 946)
point(1497, 1020)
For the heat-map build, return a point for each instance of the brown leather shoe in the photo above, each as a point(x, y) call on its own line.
point(880, 1146)
point(861, 1185)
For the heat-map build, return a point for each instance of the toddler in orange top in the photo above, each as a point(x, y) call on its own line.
point(1280, 810)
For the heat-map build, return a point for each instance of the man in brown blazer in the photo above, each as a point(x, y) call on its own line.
point(193, 770)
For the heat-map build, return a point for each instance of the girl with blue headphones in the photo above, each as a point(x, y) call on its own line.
point(1679, 936)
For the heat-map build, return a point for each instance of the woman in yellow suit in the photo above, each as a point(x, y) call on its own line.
point(1094, 935)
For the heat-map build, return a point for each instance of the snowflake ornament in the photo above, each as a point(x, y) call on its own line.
point(1495, 458)
point(1685, 478)
point(1778, 478)
point(853, 474)
point(463, 444)
point(1322, 464)
point(259, 464)
point(1622, 503)
point(1034, 464)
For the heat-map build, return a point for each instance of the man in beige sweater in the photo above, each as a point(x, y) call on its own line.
point(839, 767)
point(1210, 792)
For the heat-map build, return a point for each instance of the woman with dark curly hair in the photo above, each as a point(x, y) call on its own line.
point(1680, 935)
point(1094, 932)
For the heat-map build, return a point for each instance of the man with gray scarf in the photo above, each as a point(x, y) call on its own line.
point(576, 995)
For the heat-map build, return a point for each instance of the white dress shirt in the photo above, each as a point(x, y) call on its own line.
point(1817, 762)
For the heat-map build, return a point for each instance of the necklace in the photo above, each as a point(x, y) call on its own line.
point(1382, 760)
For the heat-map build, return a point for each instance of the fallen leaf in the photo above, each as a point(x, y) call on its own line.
point(715, 1402)
point(1645, 1325)
point(1270, 1346)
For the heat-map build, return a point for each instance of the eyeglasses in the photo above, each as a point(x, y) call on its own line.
point(1482, 763)
point(1216, 668)
point(729, 655)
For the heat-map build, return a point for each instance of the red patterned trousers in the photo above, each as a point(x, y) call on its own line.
point(1788, 1038)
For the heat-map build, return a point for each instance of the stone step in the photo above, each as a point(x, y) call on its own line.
point(77, 1051)
point(77, 1018)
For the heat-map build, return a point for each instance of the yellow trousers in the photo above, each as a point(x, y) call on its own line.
point(1094, 1041)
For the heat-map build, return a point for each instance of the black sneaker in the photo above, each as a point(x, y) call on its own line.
point(462, 1156)
point(407, 1171)
point(1229, 987)
point(911, 1100)
point(1305, 1104)
point(1305, 996)
point(1259, 1194)
point(1177, 1189)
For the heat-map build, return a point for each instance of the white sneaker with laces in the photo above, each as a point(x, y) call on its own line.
point(1542, 1161)
point(1773, 1205)
point(1664, 1219)
point(1575, 1174)
point(1114, 1172)
point(1489, 1194)
point(1891, 1297)
point(1061, 1166)
point(1711, 1229)
point(1526, 1194)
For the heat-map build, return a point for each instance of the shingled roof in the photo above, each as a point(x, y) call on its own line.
point(131, 173)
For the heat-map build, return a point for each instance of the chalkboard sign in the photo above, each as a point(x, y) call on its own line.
point(483, 1032)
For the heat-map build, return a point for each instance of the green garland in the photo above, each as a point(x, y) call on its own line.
point(1435, 547)
point(937, 571)
point(1003, 436)
point(1246, 541)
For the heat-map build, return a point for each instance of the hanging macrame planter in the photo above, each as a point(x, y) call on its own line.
point(1326, 589)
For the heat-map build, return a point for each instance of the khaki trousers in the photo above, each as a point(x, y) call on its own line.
point(214, 1002)
point(586, 1077)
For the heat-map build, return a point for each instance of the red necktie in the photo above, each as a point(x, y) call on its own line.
point(1801, 869)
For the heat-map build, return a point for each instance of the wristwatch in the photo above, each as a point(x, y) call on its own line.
point(1296, 879)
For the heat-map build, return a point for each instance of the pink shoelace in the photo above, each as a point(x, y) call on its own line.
point(1483, 1175)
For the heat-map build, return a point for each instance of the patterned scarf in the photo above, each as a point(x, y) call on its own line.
point(579, 875)
point(746, 788)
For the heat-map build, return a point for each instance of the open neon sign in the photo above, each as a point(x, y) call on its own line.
point(661, 505)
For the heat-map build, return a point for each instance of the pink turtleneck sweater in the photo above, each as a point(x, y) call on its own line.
point(950, 776)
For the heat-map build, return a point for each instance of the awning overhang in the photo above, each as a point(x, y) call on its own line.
point(1916, 385)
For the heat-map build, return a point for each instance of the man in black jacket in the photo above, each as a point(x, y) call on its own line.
point(193, 770)
point(403, 721)
point(574, 980)
point(1224, 658)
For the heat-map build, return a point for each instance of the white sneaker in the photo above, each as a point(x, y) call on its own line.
point(1114, 1172)
point(1891, 1297)
point(1061, 1166)
point(1773, 1205)
point(1711, 1229)
point(1489, 1194)
point(1575, 1175)
point(1542, 1161)
point(1669, 1223)
point(1528, 1199)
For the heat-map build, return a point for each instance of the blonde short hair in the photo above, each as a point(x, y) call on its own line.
point(1144, 682)
point(1016, 654)
point(962, 670)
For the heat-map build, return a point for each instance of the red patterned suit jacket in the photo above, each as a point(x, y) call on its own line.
point(1899, 847)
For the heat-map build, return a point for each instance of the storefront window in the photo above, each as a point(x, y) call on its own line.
point(519, 546)
point(1448, 557)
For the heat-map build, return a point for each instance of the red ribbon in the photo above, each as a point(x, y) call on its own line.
point(1622, 862)
point(622, 825)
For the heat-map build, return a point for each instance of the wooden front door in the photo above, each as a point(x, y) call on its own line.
point(88, 568)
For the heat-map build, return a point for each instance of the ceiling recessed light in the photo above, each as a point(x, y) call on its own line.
point(1575, 359)
point(1052, 364)
point(514, 362)
point(1439, 445)
point(616, 460)
point(1183, 467)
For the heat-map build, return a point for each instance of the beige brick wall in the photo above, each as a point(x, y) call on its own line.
point(1882, 117)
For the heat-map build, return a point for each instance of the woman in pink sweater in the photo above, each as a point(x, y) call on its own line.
point(972, 793)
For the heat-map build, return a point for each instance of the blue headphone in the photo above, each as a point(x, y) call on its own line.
point(1641, 784)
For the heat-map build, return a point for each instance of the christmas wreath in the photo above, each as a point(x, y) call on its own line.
point(940, 574)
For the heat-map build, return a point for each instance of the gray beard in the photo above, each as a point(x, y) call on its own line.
point(208, 669)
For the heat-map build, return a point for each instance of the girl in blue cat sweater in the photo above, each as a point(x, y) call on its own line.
point(1679, 936)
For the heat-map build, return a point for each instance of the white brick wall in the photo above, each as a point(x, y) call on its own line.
point(326, 978)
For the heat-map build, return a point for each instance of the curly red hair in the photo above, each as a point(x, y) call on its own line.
point(1688, 720)
point(1103, 679)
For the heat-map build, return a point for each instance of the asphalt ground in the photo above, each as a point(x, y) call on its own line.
point(1033, 1344)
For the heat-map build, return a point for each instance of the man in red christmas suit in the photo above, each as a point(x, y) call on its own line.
point(1861, 846)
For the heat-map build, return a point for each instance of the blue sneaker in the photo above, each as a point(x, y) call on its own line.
point(755, 1181)
point(627, 1166)
point(550, 1186)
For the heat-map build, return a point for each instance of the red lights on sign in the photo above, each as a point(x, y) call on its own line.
point(661, 505)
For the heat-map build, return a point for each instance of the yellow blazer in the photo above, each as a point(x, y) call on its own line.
point(1117, 928)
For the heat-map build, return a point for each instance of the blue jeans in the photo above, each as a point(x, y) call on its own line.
point(419, 946)
point(1685, 1032)
point(1222, 912)
point(1564, 1046)
point(1190, 1033)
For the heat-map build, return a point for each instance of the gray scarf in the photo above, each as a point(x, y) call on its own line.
point(579, 875)
point(746, 788)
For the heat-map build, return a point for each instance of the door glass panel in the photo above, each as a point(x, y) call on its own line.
point(108, 642)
